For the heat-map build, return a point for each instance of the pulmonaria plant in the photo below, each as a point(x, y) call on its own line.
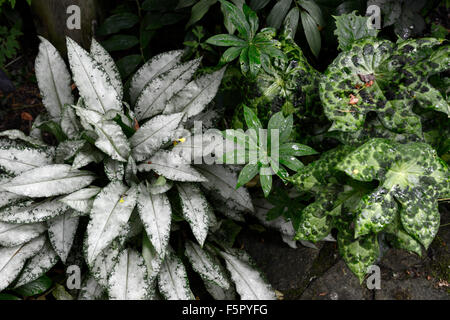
point(117, 170)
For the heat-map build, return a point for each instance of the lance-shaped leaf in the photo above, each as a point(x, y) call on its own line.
point(156, 216)
point(151, 69)
point(173, 281)
point(222, 180)
point(195, 96)
point(207, 266)
point(112, 140)
point(12, 235)
point(128, 279)
point(15, 134)
point(13, 259)
point(93, 82)
point(105, 261)
point(172, 166)
point(152, 259)
point(37, 266)
point(67, 149)
point(104, 58)
point(109, 215)
point(91, 290)
point(87, 155)
point(196, 210)
point(28, 211)
point(70, 125)
point(160, 89)
point(314, 224)
point(153, 134)
point(53, 79)
point(114, 170)
point(61, 232)
point(17, 157)
point(249, 283)
point(81, 200)
point(49, 180)
point(411, 173)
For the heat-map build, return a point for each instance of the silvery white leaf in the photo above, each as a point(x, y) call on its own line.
point(28, 211)
point(160, 89)
point(249, 283)
point(133, 228)
point(171, 166)
point(218, 293)
point(53, 79)
point(128, 280)
point(109, 215)
point(61, 232)
point(15, 134)
point(114, 170)
point(156, 215)
point(8, 198)
point(81, 200)
point(329, 238)
point(153, 134)
point(17, 157)
point(13, 259)
point(37, 266)
point(305, 243)
point(152, 259)
point(105, 261)
point(69, 122)
point(130, 171)
point(222, 180)
point(151, 69)
point(195, 210)
point(112, 140)
point(12, 235)
point(289, 241)
point(93, 83)
point(172, 279)
point(91, 290)
point(49, 180)
point(206, 265)
point(67, 149)
point(196, 95)
point(104, 58)
point(87, 155)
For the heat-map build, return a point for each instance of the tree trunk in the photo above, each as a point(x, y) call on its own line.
point(50, 18)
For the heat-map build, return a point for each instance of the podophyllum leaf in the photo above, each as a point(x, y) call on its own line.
point(28, 211)
point(206, 266)
point(91, 290)
point(195, 210)
point(69, 123)
point(104, 58)
point(172, 166)
point(351, 27)
point(12, 235)
point(105, 261)
point(156, 216)
point(49, 180)
point(160, 89)
point(37, 266)
point(153, 134)
point(314, 223)
point(173, 281)
point(358, 254)
point(110, 213)
point(16, 157)
point(81, 200)
point(195, 96)
point(222, 180)
point(93, 82)
point(13, 259)
point(15, 134)
point(61, 232)
point(249, 283)
point(53, 79)
point(114, 170)
point(151, 69)
point(128, 279)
